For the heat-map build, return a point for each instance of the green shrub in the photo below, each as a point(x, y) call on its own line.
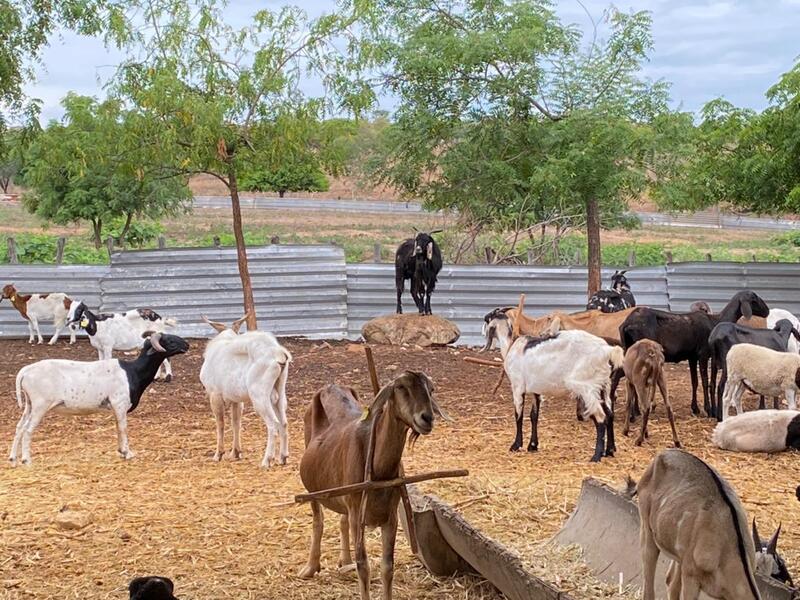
point(139, 233)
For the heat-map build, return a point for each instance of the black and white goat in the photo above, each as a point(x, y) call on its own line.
point(119, 331)
point(420, 260)
point(618, 298)
point(568, 361)
point(74, 387)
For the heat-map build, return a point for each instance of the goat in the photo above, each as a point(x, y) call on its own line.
point(768, 561)
point(763, 371)
point(725, 335)
point(777, 314)
point(684, 336)
point(119, 331)
point(572, 361)
point(619, 297)
point(644, 370)
point(420, 260)
point(759, 431)
point(151, 588)
point(73, 387)
point(36, 307)
point(249, 366)
point(689, 512)
point(603, 325)
point(337, 432)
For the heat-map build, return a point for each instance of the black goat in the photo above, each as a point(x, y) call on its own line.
point(684, 336)
point(420, 260)
point(151, 588)
point(618, 298)
point(726, 335)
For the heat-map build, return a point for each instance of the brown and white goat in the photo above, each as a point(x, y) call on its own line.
point(644, 370)
point(337, 434)
point(689, 512)
point(36, 307)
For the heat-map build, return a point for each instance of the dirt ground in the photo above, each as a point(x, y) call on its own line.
point(224, 530)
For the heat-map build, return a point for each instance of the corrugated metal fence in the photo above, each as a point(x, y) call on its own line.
point(309, 291)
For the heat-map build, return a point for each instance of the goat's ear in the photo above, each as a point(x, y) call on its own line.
point(796, 334)
point(438, 410)
point(220, 327)
point(756, 539)
point(772, 545)
point(747, 310)
point(797, 383)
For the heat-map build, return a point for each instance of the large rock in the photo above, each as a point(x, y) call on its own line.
point(416, 329)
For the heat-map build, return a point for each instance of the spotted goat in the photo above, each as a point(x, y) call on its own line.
point(40, 307)
point(618, 298)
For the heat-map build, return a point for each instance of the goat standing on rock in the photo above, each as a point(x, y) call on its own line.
point(420, 260)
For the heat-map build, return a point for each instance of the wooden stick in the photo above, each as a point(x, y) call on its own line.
point(482, 361)
point(354, 488)
point(373, 374)
point(518, 320)
point(362, 512)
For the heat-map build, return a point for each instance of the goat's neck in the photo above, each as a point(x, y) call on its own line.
point(390, 440)
point(504, 342)
point(730, 314)
point(141, 373)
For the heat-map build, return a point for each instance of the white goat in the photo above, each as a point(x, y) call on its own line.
point(775, 315)
point(759, 431)
point(573, 361)
point(73, 387)
point(120, 331)
point(763, 371)
point(40, 307)
point(251, 366)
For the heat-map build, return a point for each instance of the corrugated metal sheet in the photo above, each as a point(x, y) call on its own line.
point(299, 290)
point(77, 281)
point(351, 206)
point(716, 282)
point(464, 294)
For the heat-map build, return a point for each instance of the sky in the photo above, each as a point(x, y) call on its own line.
point(735, 49)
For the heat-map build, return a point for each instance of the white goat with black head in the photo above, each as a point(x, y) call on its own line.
point(73, 387)
point(567, 361)
point(253, 367)
point(119, 331)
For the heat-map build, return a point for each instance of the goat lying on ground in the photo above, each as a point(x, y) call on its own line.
point(768, 561)
point(568, 361)
point(618, 298)
point(40, 307)
point(119, 331)
point(759, 431)
point(684, 336)
point(644, 370)
point(72, 387)
point(689, 512)
point(420, 260)
point(726, 335)
point(251, 367)
point(337, 434)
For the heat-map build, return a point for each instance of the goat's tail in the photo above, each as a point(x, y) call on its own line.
point(630, 487)
point(20, 393)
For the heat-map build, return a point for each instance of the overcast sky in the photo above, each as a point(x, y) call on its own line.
point(735, 49)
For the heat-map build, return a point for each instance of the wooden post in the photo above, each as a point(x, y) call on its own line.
point(162, 242)
point(60, 242)
point(217, 242)
point(668, 254)
point(577, 259)
point(753, 258)
point(530, 256)
point(632, 258)
point(110, 245)
point(12, 251)
point(708, 256)
point(376, 252)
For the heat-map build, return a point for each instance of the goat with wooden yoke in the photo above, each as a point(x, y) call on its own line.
point(337, 432)
point(39, 307)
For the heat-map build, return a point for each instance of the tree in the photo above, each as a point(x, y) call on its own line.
point(505, 116)
point(293, 177)
point(218, 100)
point(86, 168)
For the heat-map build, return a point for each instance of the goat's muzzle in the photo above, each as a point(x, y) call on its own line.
point(423, 423)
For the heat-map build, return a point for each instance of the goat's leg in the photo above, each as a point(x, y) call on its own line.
point(616, 377)
point(611, 445)
point(690, 585)
point(519, 407)
point(399, 284)
point(650, 554)
point(600, 427)
point(776, 402)
point(693, 375)
point(283, 422)
point(662, 386)
point(762, 404)
point(674, 581)
point(418, 299)
point(345, 559)
point(236, 427)
point(218, 408)
point(579, 409)
point(264, 408)
point(121, 413)
point(723, 380)
point(790, 399)
point(35, 322)
point(630, 397)
point(533, 446)
point(313, 565)
point(30, 331)
point(58, 325)
point(736, 400)
point(34, 418)
point(362, 563)
point(71, 334)
point(428, 291)
point(21, 424)
point(388, 538)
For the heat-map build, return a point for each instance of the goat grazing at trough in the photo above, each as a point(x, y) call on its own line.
point(762, 370)
point(567, 361)
point(759, 431)
point(644, 370)
point(691, 514)
point(249, 366)
point(684, 336)
point(768, 561)
point(119, 331)
point(619, 297)
point(337, 432)
point(73, 387)
point(420, 260)
point(36, 307)
point(727, 335)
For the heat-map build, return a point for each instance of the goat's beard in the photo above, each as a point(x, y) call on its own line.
point(413, 436)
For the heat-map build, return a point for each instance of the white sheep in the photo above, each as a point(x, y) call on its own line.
point(763, 371)
point(775, 315)
point(759, 431)
point(39, 307)
point(74, 387)
point(573, 361)
point(250, 366)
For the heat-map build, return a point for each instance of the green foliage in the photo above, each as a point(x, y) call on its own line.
point(287, 178)
point(33, 248)
point(138, 234)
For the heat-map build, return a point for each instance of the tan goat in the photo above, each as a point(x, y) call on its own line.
point(644, 370)
point(689, 512)
point(337, 433)
point(603, 325)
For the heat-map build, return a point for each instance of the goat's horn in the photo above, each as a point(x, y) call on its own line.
point(415, 229)
point(436, 231)
point(756, 538)
point(238, 323)
point(154, 342)
point(220, 327)
point(772, 545)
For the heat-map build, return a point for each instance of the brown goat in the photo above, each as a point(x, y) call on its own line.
point(337, 434)
point(603, 325)
point(644, 370)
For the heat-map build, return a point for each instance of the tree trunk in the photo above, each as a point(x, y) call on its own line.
point(97, 233)
point(241, 251)
point(125, 228)
point(593, 238)
point(4, 183)
point(281, 193)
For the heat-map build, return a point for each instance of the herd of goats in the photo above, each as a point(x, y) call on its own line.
point(688, 511)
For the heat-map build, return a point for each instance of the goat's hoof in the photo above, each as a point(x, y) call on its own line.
point(217, 456)
point(127, 455)
point(168, 378)
point(595, 459)
point(579, 417)
point(678, 445)
point(308, 572)
point(51, 343)
point(12, 461)
point(515, 447)
point(533, 447)
point(27, 461)
point(639, 441)
point(283, 460)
